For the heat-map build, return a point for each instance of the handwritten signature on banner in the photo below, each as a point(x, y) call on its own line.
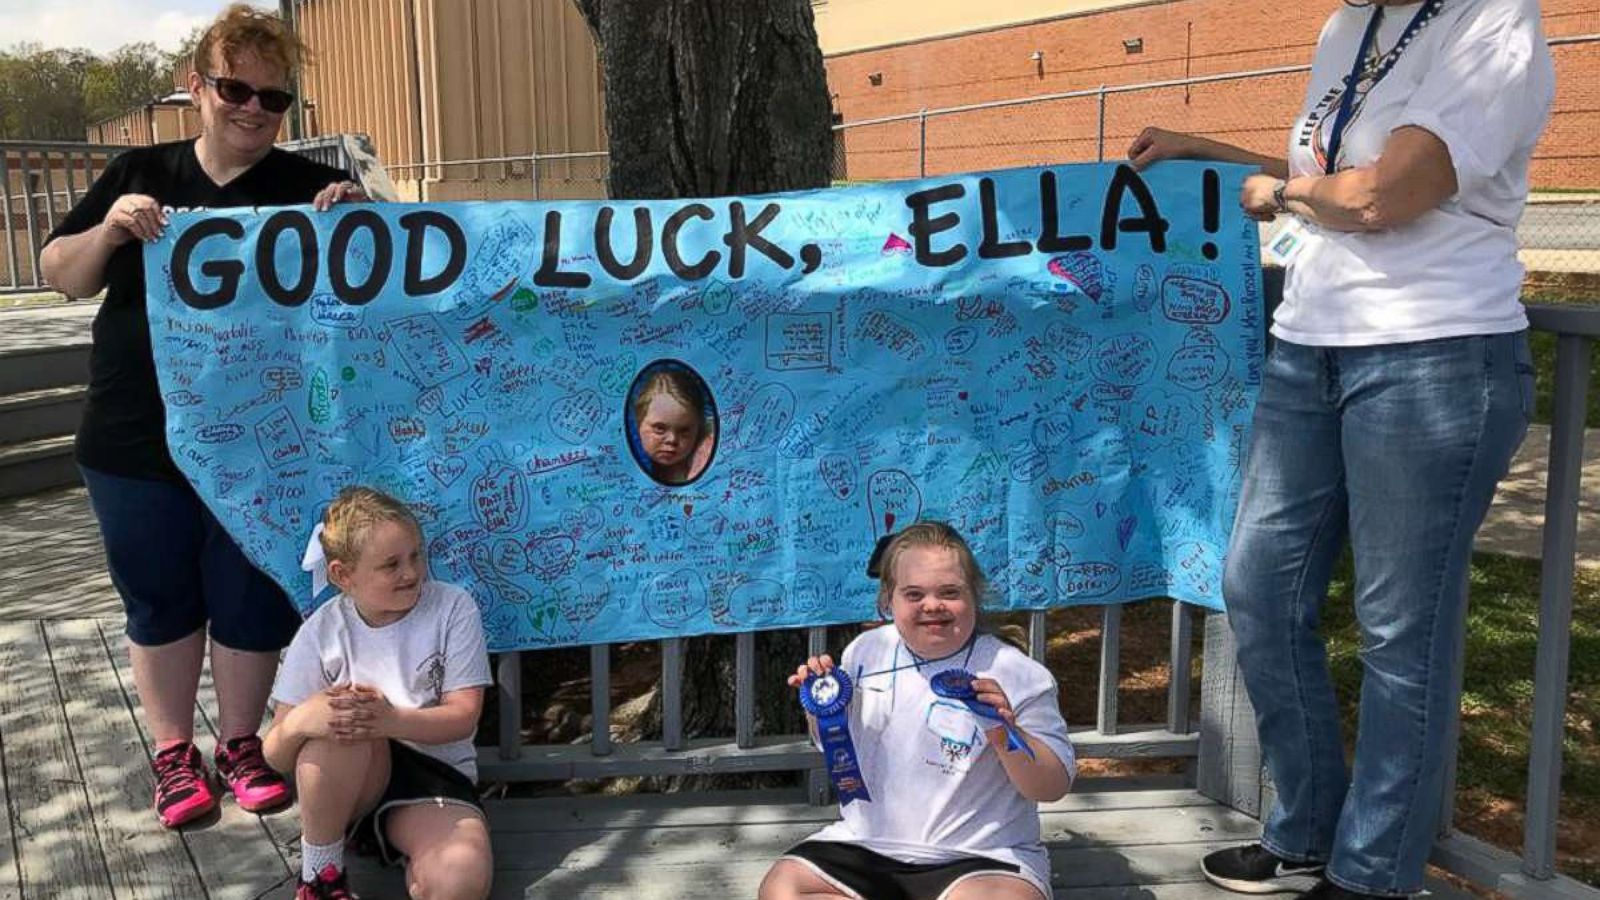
point(624, 420)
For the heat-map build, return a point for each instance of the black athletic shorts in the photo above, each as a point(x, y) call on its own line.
point(413, 778)
point(873, 876)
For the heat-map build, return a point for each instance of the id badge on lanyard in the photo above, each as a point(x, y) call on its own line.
point(1291, 239)
point(1341, 120)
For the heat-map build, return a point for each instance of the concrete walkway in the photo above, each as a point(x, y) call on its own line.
point(1515, 522)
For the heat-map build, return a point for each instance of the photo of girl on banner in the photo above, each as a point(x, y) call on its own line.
point(671, 422)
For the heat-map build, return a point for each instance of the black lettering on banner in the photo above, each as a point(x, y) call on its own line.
point(923, 228)
point(643, 244)
point(339, 256)
point(225, 271)
point(1124, 181)
point(991, 247)
point(1210, 209)
point(669, 244)
point(1050, 238)
point(550, 274)
point(267, 256)
point(416, 225)
point(741, 235)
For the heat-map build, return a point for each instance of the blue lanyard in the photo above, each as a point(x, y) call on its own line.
point(1347, 102)
point(918, 662)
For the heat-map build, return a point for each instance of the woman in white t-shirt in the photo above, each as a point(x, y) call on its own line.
point(951, 801)
point(1397, 389)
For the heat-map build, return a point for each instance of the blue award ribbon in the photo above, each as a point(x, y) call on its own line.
point(827, 699)
point(956, 684)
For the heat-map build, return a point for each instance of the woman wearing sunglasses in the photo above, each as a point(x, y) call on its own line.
point(178, 572)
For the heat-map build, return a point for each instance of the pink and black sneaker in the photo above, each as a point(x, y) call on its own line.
point(183, 791)
point(245, 772)
point(330, 884)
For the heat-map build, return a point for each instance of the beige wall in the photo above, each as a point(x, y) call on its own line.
point(146, 125)
point(439, 80)
point(844, 26)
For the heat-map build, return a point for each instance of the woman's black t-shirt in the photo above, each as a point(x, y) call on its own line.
point(123, 431)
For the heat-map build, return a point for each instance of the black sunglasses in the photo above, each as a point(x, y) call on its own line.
point(236, 92)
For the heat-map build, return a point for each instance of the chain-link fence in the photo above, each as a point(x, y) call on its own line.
point(1559, 233)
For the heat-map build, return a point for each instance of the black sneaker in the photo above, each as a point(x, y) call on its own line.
point(1252, 869)
point(1327, 890)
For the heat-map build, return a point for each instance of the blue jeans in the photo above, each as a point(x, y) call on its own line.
point(1398, 448)
point(178, 570)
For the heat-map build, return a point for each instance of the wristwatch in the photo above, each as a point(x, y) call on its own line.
point(1277, 196)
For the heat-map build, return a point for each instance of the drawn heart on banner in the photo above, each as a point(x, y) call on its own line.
point(447, 469)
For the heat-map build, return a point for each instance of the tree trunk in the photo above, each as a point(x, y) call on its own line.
point(708, 98)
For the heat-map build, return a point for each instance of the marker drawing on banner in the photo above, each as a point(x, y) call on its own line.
point(627, 420)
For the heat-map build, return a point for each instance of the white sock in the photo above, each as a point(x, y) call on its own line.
point(316, 857)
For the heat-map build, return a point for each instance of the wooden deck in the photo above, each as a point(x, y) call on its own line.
point(77, 785)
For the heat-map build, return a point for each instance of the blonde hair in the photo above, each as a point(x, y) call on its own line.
point(940, 535)
point(244, 29)
point(675, 383)
point(351, 516)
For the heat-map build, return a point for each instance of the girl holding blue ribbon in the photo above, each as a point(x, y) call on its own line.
point(942, 740)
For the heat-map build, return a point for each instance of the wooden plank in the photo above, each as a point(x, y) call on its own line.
point(744, 688)
point(91, 599)
point(725, 842)
point(508, 693)
point(1086, 873)
point(1230, 755)
point(600, 699)
point(1492, 867)
point(769, 753)
point(37, 548)
point(43, 541)
point(645, 811)
point(236, 857)
point(671, 693)
point(10, 874)
point(57, 850)
point(1178, 683)
point(700, 756)
point(1110, 668)
point(144, 860)
point(281, 826)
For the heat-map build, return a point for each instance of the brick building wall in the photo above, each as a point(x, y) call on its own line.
point(1154, 42)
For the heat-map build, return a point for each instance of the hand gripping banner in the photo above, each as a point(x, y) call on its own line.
point(623, 420)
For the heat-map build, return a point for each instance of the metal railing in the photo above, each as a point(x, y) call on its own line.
point(748, 751)
point(39, 182)
point(1559, 233)
point(1532, 874)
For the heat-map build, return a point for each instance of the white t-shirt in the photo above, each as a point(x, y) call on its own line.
point(437, 648)
point(1480, 78)
point(938, 790)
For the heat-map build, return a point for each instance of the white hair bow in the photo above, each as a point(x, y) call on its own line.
point(315, 561)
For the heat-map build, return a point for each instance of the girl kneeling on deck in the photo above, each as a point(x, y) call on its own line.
point(376, 705)
point(957, 735)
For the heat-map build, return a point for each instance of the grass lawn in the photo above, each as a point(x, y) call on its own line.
point(1543, 345)
point(1502, 639)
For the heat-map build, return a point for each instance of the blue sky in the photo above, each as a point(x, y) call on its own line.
point(105, 25)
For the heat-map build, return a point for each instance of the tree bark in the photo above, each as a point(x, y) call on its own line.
point(707, 98)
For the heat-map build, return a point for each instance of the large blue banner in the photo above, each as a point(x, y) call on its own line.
point(623, 420)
